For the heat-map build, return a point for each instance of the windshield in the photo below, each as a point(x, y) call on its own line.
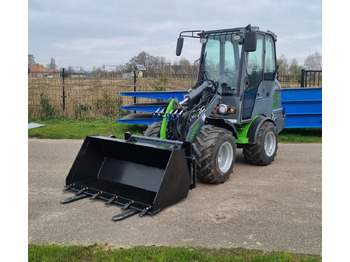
point(221, 63)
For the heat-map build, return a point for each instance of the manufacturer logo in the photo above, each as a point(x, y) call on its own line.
point(194, 132)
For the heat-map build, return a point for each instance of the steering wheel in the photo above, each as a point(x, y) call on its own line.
point(229, 74)
point(227, 81)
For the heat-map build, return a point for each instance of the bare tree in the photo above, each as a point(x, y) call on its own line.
point(282, 65)
point(295, 69)
point(313, 61)
point(185, 65)
point(153, 64)
point(31, 60)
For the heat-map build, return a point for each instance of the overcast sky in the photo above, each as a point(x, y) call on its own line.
point(109, 32)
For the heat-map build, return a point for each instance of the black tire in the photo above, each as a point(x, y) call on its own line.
point(153, 130)
point(215, 152)
point(264, 151)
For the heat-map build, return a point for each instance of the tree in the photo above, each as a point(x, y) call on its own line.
point(185, 65)
point(142, 58)
point(313, 61)
point(153, 64)
point(295, 69)
point(31, 62)
point(282, 65)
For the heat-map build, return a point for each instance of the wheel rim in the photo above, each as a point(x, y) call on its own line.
point(270, 144)
point(225, 157)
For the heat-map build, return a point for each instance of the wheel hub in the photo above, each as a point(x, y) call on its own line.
point(270, 144)
point(225, 157)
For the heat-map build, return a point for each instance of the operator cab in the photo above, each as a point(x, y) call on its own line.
point(239, 62)
point(221, 62)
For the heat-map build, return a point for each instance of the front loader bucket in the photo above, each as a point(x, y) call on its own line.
point(142, 176)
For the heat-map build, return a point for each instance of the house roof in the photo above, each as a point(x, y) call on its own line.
point(37, 68)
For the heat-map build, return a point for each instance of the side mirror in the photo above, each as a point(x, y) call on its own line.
point(250, 41)
point(179, 45)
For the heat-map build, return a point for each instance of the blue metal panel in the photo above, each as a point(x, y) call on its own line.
point(162, 95)
point(299, 94)
point(144, 107)
point(303, 106)
point(139, 119)
point(303, 121)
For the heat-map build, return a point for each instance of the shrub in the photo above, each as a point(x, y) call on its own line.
point(108, 106)
point(47, 111)
point(82, 111)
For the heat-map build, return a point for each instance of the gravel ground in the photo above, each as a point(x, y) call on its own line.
point(272, 208)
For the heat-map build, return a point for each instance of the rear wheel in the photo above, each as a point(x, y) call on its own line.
point(215, 152)
point(264, 151)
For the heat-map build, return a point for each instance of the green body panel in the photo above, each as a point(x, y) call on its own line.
point(275, 100)
point(243, 131)
point(165, 121)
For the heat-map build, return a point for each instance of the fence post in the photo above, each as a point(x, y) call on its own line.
point(134, 86)
point(302, 77)
point(63, 92)
point(315, 78)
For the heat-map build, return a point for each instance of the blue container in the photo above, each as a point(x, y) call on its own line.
point(303, 107)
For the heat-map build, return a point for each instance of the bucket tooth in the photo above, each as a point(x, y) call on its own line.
point(126, 206)
point(67, 187)
point(73, 198)
point(144, 211)
point(95, 195)
point(111, 200)
point(81, 191)
point(125, 214)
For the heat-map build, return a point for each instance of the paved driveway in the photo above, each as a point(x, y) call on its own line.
point(277, 207)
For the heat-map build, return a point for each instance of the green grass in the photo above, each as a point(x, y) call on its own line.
point(59, 128)
point(109, 253)
point(301, 135)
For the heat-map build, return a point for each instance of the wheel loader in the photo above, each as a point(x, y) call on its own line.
point(235, 103)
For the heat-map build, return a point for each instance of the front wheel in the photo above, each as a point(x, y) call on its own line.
point(153, 130)
point(215, 153)
point(264, 151)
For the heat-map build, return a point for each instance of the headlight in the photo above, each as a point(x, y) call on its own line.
point(203, 40)
point(225, 109)
point(222, 109)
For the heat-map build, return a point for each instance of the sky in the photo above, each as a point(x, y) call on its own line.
point(109, 32)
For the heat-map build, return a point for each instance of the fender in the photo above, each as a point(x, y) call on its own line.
point(223, 123)
point(255, 126)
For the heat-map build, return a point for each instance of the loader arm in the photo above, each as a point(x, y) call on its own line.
point(182, 120)
point(202, 115)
